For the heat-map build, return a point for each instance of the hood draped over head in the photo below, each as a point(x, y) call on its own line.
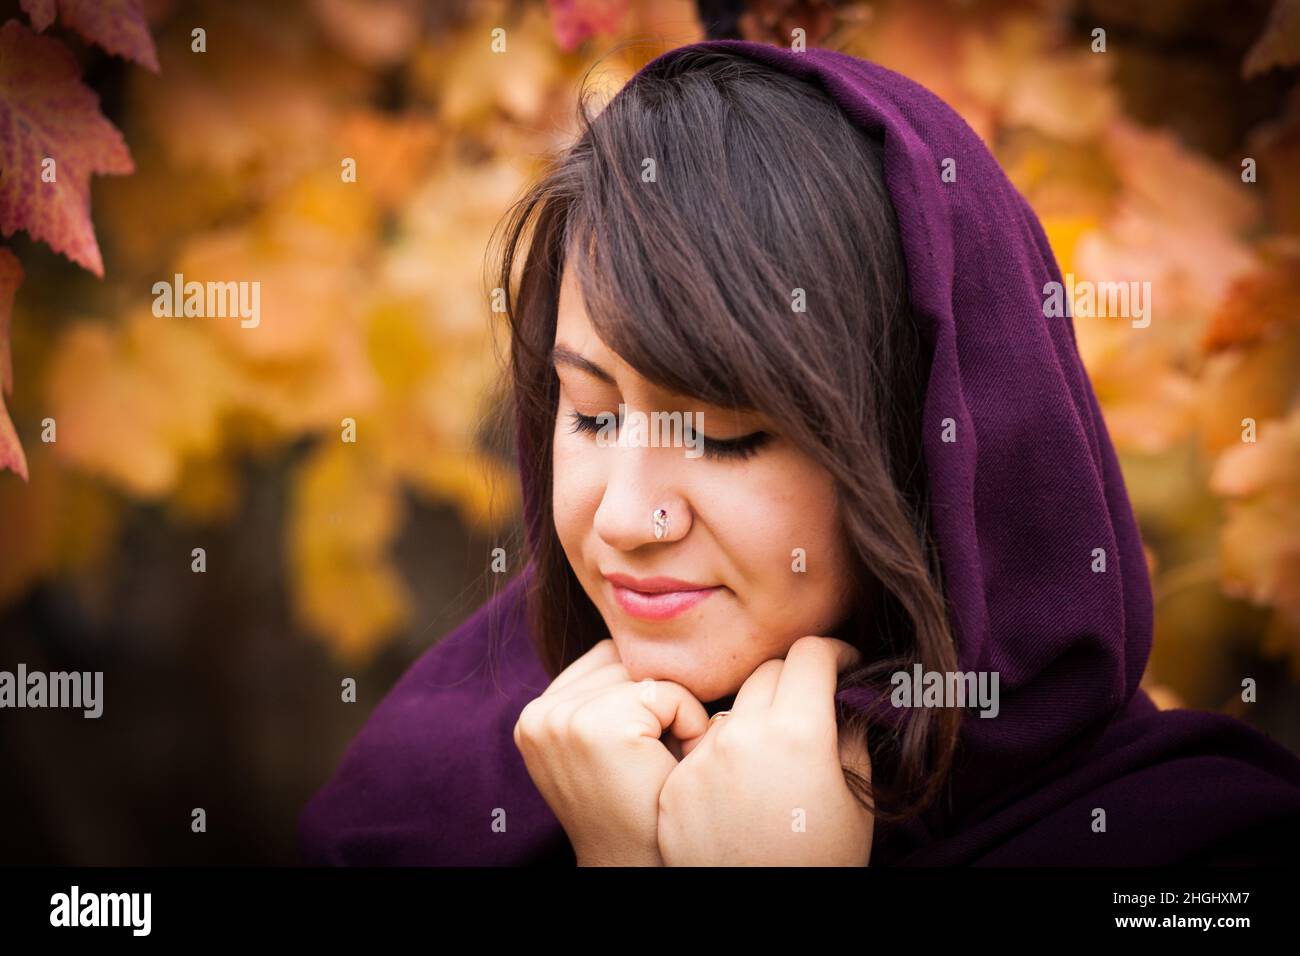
point(1043, 571)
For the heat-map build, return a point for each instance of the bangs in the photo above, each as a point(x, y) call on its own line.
point(678, 335)
point(670, 229)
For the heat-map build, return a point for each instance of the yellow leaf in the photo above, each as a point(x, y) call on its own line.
point(341, 522)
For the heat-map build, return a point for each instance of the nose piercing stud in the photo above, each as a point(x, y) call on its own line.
point(661, 522)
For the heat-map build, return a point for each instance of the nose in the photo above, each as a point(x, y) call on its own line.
point(639, 482)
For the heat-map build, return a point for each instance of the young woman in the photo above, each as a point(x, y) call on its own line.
point(875, 595)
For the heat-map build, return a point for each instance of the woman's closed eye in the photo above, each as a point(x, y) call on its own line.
point(733, 449)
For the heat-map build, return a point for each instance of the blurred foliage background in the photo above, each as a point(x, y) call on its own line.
point(328, 560)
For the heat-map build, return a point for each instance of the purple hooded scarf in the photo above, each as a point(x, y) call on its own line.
point(1020, 502)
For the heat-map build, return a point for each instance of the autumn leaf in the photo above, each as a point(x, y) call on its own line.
point(47, 113)
point(118, 26)
point(11, 452)
point(575, 20)
point(1177, 228)
point(1256, 382)
point(1258, 303)
point(391, 152)
point(378, 33)
point(245, 109)
point(472, 90)
point(1260, 545)
point(342, 519)
point(161, 376)
point(1252, 343)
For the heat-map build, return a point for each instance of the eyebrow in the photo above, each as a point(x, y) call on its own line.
point(566, 356)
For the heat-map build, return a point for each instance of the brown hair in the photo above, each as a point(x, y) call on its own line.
point(763, 186)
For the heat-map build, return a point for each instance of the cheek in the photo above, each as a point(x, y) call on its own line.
point(783, 533)
point(576, 488)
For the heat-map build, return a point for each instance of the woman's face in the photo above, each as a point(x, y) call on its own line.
point(737, 525)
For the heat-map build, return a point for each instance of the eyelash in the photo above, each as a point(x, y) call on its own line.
point(719, 449)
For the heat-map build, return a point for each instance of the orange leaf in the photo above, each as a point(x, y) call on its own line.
point(376, 33)
point(1258, 302)
point(47, 113)
point(11, 452)
point(117, 25)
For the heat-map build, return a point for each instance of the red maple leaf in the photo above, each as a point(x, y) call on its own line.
point(118, 26)
point(11, 277)
point(46, 112)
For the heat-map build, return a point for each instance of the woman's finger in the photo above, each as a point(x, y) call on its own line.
point(808, 680)
point(756, 693)
point(602, 653)
point(604, 676)
point(675, 709)
point(609, 682)
point(657, 706)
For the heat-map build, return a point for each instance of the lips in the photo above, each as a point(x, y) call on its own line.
point(657, 599)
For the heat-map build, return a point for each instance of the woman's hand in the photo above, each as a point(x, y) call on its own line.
point(591, 743)
point(765, 785)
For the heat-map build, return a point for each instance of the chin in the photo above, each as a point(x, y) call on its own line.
point(662, 660)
